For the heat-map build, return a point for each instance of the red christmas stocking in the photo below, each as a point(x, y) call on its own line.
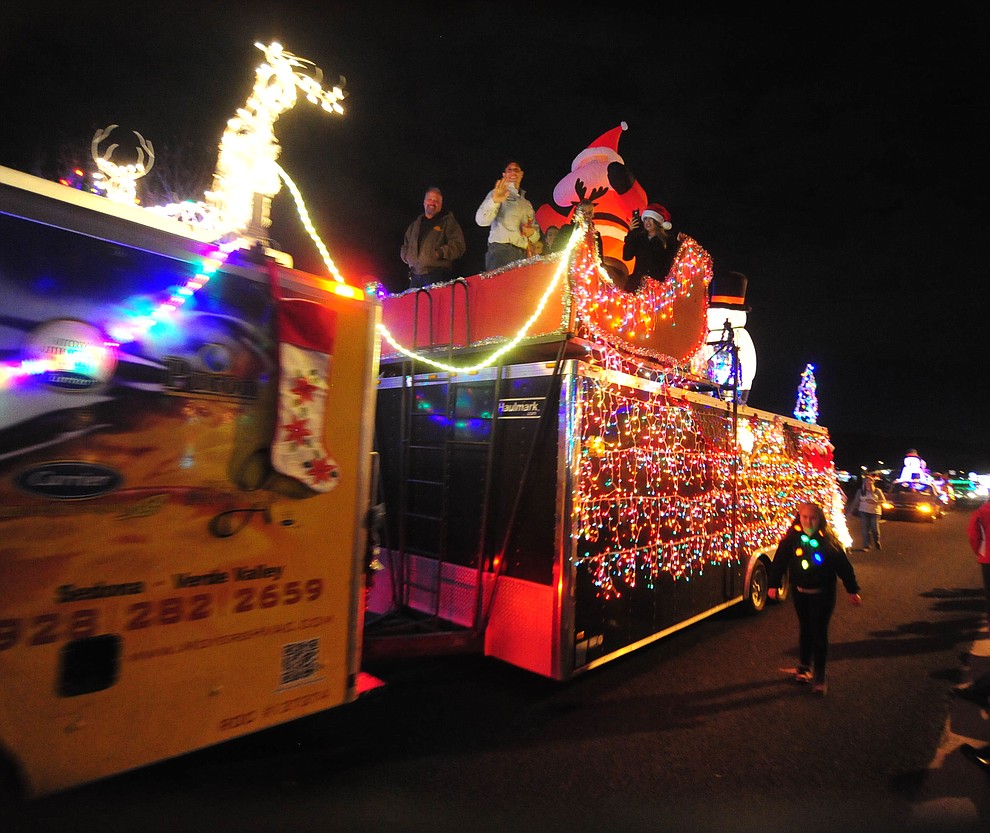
point(306, 332)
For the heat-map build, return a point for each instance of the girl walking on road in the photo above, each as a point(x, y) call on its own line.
point(814, 558)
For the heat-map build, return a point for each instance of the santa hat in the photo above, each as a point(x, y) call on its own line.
point(657, 212)
point(729, 291)
point(604, 149)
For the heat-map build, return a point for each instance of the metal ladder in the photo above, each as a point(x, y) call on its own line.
point(424, 499)
point(433, 491)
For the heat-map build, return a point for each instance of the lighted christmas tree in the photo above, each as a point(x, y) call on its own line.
point(806, 408)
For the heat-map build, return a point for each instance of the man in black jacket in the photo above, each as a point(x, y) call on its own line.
point(433, 241)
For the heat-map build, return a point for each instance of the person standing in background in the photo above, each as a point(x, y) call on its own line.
point(868, 504)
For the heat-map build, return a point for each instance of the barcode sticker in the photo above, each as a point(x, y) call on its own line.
point(299, 660)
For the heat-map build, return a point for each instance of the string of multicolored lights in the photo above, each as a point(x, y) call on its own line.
point(129, 329)
point(655, 487)
point(589, 286)
point(84, 358)
point(80, 360)
point(658, 475)
point(634, 316)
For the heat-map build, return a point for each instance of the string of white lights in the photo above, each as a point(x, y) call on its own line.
point(308, 224)
point(383, 330)
point(505, 348)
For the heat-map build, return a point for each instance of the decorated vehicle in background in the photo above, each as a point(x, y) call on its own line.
point(945, 491)
point(918, 493)
point(969, 493)
point(913, 500)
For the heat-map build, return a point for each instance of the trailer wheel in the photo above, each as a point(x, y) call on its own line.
point(756, 595)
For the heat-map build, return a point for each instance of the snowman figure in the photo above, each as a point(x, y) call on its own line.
point(727, 315)
point(914, 468)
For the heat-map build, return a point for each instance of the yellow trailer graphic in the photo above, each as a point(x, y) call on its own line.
point(183, 487)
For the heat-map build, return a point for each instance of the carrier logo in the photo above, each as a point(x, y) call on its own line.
point(529, 408)
point(70, 355)
point(69, 481)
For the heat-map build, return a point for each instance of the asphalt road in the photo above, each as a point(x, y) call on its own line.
point(701, 732)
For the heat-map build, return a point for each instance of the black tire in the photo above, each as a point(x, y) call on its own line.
point(756, 590)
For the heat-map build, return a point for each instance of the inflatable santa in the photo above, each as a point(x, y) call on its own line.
point(598, 174)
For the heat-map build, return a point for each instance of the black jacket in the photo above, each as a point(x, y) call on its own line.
point(653, 258)
point(812, 562)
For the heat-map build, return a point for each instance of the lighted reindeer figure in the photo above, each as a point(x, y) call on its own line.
point(118, 182)
point(247, 173)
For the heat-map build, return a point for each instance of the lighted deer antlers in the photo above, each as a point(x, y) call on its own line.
point(247, 173)
point(118, 181)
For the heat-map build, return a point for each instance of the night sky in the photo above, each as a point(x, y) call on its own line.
point(832, 155)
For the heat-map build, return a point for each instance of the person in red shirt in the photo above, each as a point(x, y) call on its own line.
point(978, 691)
point(979, 539)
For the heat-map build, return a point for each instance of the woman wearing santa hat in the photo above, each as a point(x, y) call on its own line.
point(652, 242)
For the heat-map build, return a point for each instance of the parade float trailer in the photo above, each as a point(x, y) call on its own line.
point(556, 480)
point(229, 487)
point(183, 503)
